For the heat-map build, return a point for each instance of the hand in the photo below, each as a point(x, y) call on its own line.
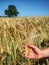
point(36, 53)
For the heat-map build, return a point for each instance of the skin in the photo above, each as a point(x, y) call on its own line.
point(36, 53)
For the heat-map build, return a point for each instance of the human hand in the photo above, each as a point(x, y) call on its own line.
point(36, 53)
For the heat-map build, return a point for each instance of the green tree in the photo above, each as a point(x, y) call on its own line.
point(11, 11)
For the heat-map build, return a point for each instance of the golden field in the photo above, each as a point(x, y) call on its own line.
point(23, 30)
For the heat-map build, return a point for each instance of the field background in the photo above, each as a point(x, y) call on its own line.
point(17, 31)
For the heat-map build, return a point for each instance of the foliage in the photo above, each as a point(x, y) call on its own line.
point(11, 11)
point(33, 30)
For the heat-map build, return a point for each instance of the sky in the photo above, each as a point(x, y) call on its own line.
point(27, 7)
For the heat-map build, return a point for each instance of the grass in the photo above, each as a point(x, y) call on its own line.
point(17, 31)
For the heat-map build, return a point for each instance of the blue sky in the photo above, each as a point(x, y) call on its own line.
point(27, 7)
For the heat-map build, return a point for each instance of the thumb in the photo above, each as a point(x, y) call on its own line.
point(34, 48)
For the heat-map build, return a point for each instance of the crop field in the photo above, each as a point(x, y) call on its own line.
point(14, 32)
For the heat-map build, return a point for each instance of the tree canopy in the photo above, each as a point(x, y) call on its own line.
point(11, 11)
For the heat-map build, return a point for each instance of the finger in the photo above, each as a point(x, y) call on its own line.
point(23, 51)
point(23, 47)
point(31, 57)
point(28, 56)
